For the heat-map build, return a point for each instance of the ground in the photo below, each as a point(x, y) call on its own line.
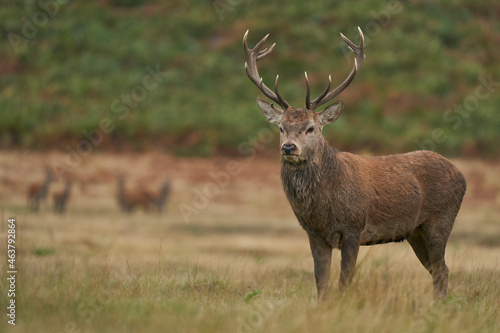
point(227, 254)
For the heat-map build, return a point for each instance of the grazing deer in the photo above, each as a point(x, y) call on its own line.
point(37, 192)
point(61, 198)
point(344, 200)
point(129, 200)
point(159, 199)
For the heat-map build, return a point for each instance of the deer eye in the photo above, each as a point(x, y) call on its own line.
point(281, 129)
point(310, 130)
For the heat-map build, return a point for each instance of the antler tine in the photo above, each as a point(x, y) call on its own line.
point(265, 52)
point(359, 53)
point(358, 50)
point(308, 92)
point(282, 101)
point(254, 55)
point(318, 99)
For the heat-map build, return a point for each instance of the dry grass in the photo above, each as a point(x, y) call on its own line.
point(242, 265)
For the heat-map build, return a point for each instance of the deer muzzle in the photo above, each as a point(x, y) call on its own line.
point(288, 149)
point(291, 153)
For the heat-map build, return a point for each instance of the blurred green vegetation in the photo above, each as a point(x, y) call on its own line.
point(66, 65)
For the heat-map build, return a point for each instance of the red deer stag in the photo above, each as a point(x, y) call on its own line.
point(344, 200)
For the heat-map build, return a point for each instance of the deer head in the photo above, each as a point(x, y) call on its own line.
point(300, 128)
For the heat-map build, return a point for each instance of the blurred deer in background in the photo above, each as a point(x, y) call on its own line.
point(129, 200)
point(61, 198)
point(344, 200)
point(159, 199)
point(37, 192)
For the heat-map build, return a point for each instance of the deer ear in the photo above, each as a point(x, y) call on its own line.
point(272, 114)
point(331, 112)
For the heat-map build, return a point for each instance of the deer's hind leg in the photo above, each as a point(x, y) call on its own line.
point(417, 242)
point(429, 244)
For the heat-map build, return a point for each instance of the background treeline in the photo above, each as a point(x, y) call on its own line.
point(428, 81)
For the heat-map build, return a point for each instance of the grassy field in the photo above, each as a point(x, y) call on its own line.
point(240, 263)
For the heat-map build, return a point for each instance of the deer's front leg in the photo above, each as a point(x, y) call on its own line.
point(322, 254)
point(349, 253)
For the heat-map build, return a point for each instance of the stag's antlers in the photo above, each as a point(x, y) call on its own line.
point(253, 55)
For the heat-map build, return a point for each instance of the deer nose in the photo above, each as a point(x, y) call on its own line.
point(288, 149)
